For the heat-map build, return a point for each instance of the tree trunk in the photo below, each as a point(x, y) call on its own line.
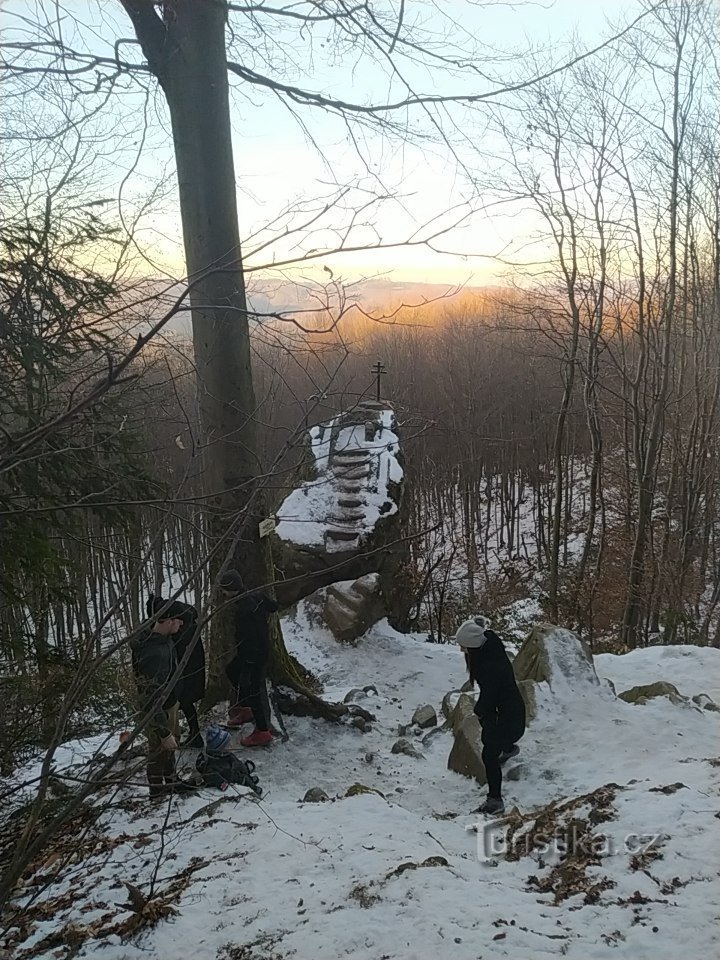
point(186, 51)
point(647, 475)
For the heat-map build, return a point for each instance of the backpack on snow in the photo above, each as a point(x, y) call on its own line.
point(221, 769)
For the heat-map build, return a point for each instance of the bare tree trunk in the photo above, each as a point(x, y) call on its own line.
point(647, 475)
point(186, 51)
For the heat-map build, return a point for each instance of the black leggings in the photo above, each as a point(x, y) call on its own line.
point(251, 692)
point(496, 739)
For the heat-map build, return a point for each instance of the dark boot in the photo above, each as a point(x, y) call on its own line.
point(492, 806)
point(194, 738)
point(509, 753)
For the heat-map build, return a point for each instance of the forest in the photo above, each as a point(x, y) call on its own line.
point(559, 424)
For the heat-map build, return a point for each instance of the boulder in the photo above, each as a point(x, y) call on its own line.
point(463, 709)
point(449, 703)
point(648, 691)
point(425, 717)
point(515, 772)
point(557, 657)
point(315, 795)
point(527, 691)
point(466, 754)
point(409, 749)
point(353, 606)
point(361, 724)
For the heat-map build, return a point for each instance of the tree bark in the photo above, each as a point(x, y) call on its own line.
point(185, 49)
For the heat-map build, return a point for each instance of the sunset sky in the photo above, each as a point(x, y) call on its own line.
point(283, 160)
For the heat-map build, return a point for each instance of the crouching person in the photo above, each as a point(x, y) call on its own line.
point(500, 707)
point(247, 671)
point(153, 658)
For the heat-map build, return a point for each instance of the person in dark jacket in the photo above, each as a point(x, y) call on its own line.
point(153, 659)
point(247, 671)
point(500, 707)
point(190, 688)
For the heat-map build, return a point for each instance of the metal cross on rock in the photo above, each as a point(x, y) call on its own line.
point(379, 371)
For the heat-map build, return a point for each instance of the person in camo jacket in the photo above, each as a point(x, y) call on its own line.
point(153, 660)
point(190, 687)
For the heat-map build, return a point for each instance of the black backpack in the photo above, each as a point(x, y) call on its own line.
point(221, 769)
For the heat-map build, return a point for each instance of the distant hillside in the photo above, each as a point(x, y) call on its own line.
point(268, 297)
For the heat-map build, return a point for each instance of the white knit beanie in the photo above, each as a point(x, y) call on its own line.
point(471, 634)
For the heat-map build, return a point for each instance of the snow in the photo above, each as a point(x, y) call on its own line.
point(400, 875)
point(693, 670)
point(320, 443)
point(309, 511)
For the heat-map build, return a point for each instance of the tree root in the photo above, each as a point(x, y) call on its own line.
point(307, 704)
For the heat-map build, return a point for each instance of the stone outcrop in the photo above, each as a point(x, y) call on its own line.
point(344, 517)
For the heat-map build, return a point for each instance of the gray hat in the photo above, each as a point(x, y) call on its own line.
point(231, 581)
point(471, 634)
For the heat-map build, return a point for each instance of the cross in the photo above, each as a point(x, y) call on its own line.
point(379, 371)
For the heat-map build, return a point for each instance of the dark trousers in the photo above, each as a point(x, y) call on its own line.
point(190, 712)
point(251, 691)
point(497, 738)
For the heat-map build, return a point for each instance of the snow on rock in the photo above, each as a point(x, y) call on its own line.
point(397, 873)
point(558, 657)
point(338, 509)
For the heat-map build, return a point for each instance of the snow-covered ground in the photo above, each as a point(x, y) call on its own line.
point(692, 670)
point(397, 874)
